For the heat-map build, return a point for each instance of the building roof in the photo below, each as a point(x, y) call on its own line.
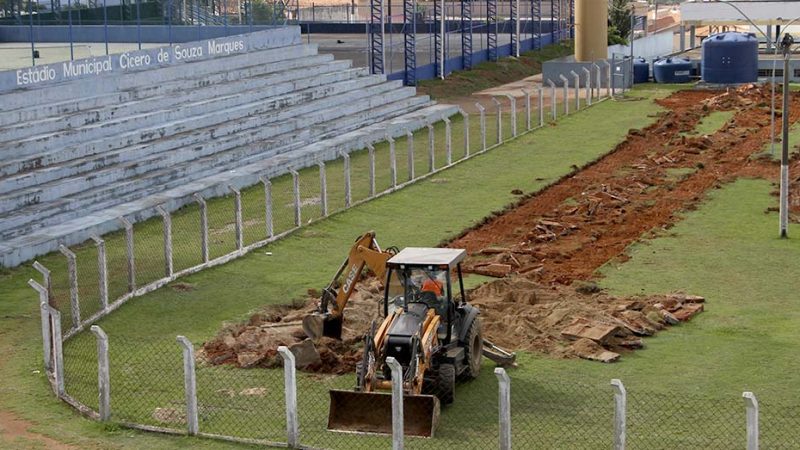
point(427, 256)
point(734, 12)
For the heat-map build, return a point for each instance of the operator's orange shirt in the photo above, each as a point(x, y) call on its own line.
point(434, 286)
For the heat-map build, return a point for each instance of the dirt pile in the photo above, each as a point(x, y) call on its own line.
point(574, 321)
point(255, 343)
point(517, 314)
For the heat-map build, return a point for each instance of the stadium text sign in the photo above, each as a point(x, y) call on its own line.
point(135, 60)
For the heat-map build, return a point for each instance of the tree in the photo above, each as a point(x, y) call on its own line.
point(619, 21)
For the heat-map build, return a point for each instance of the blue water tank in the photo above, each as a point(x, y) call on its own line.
point(641, 71)
point(672, 70)
point(730, 57)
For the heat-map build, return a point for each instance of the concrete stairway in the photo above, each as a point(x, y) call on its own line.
point(73, 159)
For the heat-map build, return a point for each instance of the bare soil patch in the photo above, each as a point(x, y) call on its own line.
point(567, 231)
point(14, 432)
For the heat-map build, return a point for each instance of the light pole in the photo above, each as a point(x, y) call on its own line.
point(786, 47)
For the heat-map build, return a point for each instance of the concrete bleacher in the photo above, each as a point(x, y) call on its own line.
point(76, 156)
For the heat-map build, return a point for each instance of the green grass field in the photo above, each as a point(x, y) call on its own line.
point(726, 251)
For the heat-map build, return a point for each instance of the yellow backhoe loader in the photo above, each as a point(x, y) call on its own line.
point(427, 326)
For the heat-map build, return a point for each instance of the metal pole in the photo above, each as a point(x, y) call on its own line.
point(69, 20)
point(30, 20)
point(786, 44)
point(169, 21)
point(442, 42)
point(139, 23)
point(105, 24)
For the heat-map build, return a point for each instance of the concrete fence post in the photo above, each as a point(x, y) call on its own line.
point(102, 271)
point(371, 151)
point(237, 213)
point(431, 149)
point(540, 106)
point(189, 385)
point(553, 111)
point(482, 112)
point(751, 406)
point(44, 301)
point(565, 93)
point(397, 403)
point(588, 75)
point(103, 377)
point(410, 154)
point(577, 79)
point(527, 110)
point(598, 79)
point(499, 121)
point(608, 77)
point(167, 219)
point(58, 351)
point(465, 118)
point(504, 385)
point(620, 411)
point(46, 277)
point(74, 301)
point(129, 253)
point(448, 140)
point(323, 189)
point(298, 218)
point(513, 101)
point(201, 203)
point(268, 207)
point(348, 193)
point(392, 162)
point(290, 395)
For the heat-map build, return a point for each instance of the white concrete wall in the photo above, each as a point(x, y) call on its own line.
point(654, 45)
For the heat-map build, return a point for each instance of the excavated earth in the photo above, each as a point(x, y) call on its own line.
point(546, 248)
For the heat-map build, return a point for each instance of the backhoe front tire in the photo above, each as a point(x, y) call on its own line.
point(446, 384)
point(473, 351)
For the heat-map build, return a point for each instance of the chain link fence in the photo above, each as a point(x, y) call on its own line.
point(150, 380)
point(156, 386)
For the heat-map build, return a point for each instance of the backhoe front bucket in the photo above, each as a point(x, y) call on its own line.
point(371, 412)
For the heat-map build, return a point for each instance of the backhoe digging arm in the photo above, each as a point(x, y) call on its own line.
point(327, 320)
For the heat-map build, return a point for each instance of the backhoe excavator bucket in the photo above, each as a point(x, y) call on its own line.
point(371, 412)
point(317, 325)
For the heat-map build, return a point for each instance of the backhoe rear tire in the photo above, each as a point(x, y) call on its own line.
point(446, 384)
point(473, 351)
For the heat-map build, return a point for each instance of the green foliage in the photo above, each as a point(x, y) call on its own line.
point(619, 18)
point(492, 73)
point(265, 12)
point(614, 37)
